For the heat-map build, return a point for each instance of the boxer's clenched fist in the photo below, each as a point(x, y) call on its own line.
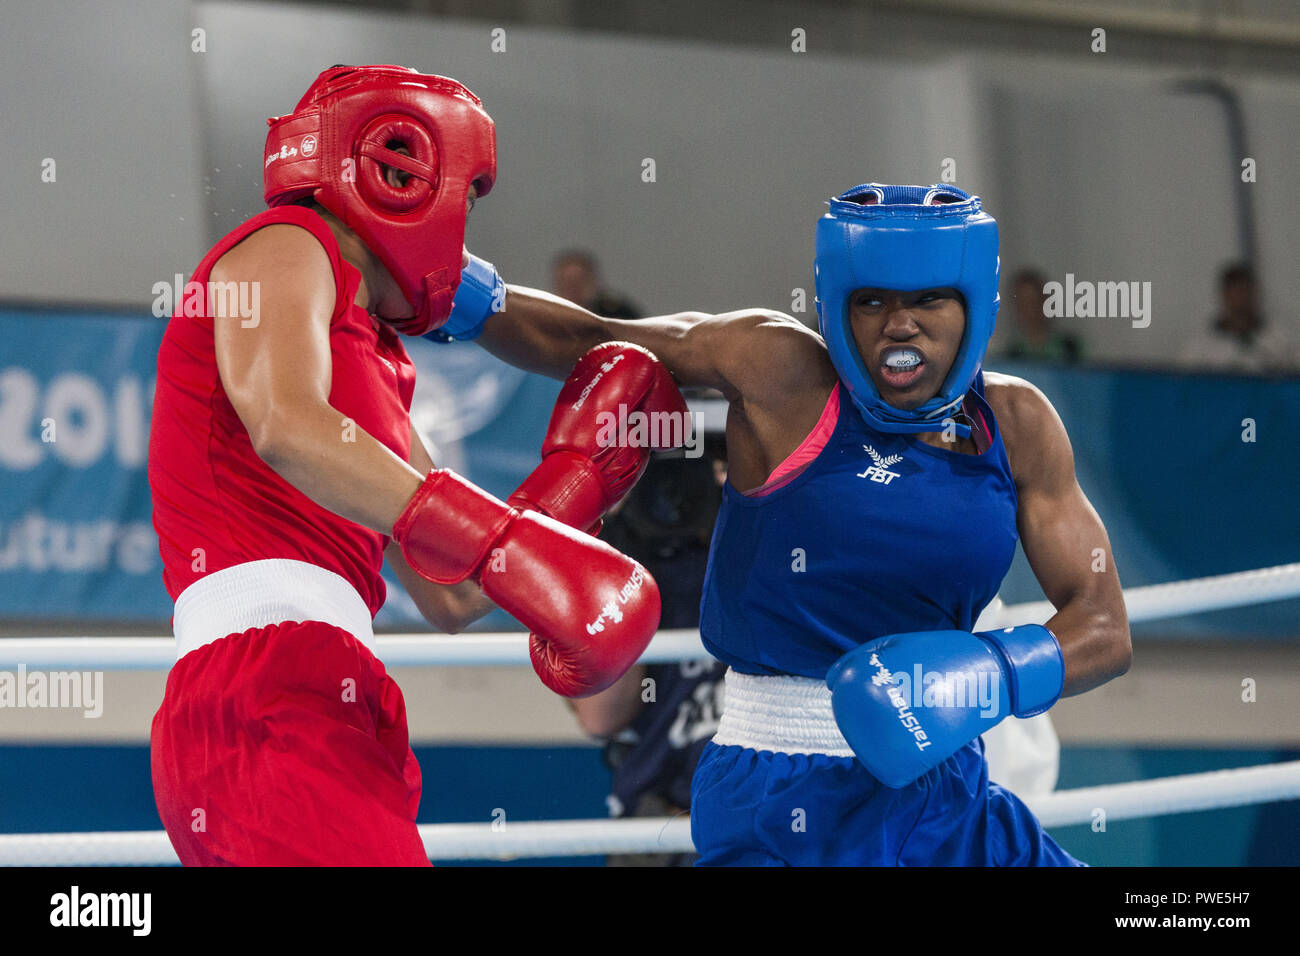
point(591, 610)
point(587, 465)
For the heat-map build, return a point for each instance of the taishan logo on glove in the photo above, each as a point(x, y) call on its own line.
point(883, 678)
point(605, 368)
point(610, 612)
point(973, 689)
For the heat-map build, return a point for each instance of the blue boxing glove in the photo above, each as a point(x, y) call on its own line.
point(481, 292)
point(907, 702)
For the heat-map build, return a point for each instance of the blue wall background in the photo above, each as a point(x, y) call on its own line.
point(1162, 458)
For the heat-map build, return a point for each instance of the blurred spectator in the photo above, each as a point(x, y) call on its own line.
point(1035, 339)
point(575, 275)
point(1239, 339)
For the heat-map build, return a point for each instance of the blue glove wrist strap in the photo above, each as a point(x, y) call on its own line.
point(1037, 669)
point(480, 293)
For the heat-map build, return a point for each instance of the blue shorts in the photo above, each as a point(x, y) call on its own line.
point(758, 808)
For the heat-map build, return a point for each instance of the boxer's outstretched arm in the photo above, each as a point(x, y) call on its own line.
point(277, 372)
point(746, 353)
point(1065, 541)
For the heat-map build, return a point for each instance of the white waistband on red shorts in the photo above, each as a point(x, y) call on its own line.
point(780, 713)
point(261, 593)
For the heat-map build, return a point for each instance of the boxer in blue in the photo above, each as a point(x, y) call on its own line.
point(878, 483)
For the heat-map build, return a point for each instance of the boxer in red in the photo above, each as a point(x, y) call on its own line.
point(284, 470)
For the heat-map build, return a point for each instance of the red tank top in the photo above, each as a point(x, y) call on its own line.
point(215, 502)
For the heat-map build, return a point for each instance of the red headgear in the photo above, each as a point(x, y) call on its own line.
point(336, 143)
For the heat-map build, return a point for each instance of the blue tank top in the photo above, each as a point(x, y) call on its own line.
point(879, 534)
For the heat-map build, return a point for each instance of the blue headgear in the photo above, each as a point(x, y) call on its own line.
point(907, 243)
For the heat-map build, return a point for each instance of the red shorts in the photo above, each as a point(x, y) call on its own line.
point(286, 746)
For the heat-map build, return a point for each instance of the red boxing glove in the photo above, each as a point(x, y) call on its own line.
point(592, 610)
point(617, 405)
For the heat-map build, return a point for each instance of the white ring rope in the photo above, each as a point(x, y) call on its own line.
point(507, 841)
point(1182, 794)
point(1192, 596)
point(1187, 793)
point(1148, 603)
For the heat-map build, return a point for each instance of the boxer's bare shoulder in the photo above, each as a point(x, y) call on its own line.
point(283, 251)
point(781, 377)
point(1035, 438)
point(775, 358)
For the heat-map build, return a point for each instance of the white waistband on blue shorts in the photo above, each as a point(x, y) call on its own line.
point(783, 714)
point(262, 593)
